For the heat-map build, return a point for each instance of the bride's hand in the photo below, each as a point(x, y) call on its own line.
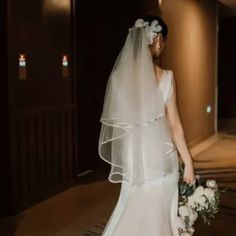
point(189, 176)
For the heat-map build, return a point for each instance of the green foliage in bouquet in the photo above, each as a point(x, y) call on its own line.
point(203, 198)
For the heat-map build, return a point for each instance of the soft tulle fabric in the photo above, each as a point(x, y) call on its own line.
point(149, 209)
point(133, 119)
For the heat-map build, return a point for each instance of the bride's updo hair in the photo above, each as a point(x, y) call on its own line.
point(164, 30)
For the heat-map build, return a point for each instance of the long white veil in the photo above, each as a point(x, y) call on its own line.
point(133, 121)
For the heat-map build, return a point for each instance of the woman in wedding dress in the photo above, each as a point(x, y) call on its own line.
point(141, 135)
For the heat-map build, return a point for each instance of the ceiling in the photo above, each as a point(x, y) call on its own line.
point(229, 3)
point(228, 7)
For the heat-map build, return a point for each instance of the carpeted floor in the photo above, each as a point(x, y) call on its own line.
point(219, 162)
point(84, 209)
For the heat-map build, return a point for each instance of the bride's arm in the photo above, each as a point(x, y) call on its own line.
point(178, 135)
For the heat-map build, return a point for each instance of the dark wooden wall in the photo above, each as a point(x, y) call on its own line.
point(40, 112)
point(227, 68)
point(5, 174)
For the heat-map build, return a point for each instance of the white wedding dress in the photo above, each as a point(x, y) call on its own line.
point(151, 208)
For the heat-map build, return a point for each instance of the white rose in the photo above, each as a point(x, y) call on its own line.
point(184, 211)
point(181, 224)
point(191, 202)
point(209, 193)
point(199, 191)
point(192, 217)
point(201, 200)
point(211, 184)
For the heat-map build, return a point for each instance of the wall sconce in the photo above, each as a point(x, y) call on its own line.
point(22, 66)
point(65, 66)
point(208, 109)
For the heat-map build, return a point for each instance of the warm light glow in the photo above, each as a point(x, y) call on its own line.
point(208, 110)
point(22, 60)
point(160, 2)
point(64, 60)
point(56, 5)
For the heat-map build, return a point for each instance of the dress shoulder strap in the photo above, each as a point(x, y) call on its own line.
point(170, 85)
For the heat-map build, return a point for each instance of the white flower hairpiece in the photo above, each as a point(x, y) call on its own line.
point(151, 30)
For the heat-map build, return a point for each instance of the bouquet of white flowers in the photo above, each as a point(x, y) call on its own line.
point(200, 199)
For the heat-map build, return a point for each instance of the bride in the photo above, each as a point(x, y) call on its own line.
point(140, 135)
